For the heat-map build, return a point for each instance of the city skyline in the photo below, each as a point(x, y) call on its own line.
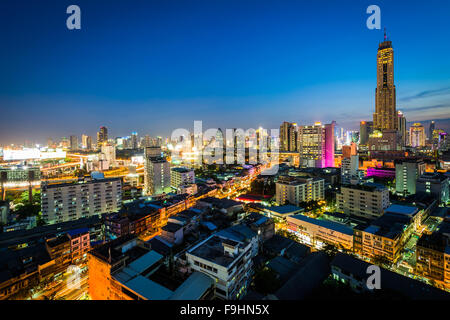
point(85, 71)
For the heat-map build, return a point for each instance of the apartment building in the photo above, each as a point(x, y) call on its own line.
point(385, 237)
point(294, 190)
point(127, 269)
point(367, 200)
point(84, 198)
point(226, 257)
point(80, 244)
point(433, 256)
point(406, 174)
point(181, 176)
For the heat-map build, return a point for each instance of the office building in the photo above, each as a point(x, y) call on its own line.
point(403, 132)
point(86, 142)
point(316, 145)
point(406, 174)
point(74, 143)
point(102, 136)
point(288, 137)
point(365, 129)
point(109, 153)
point(156, 171)
point(434, 184)
point(367, 200)
point(417, 135)
point(84, 198)
point(385, 116)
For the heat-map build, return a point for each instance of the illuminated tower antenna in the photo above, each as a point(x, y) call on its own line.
point(385, 38)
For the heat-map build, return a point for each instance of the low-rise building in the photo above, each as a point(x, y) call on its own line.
point(226, 257)
point(318, 233)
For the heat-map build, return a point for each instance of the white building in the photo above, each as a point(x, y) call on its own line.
point(109, 154)
point(87, 197)
point(156, 172)
point(406, 174)
point(181, 176)
point(367, 200)
point(349, 170)
point(227, 259)
point(295, 190)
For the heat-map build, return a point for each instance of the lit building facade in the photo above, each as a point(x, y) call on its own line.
point(295, 190)
point(156, 171)
point(406, 174)
point(71, 201)
point(366, 200)
point(417, 135)
point(316, 145)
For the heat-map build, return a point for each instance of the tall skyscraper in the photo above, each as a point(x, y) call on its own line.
point(73, 143)
point(134, 140)
point(402, 128)
point(102, 136)
point(365, 129)
point(385, 116)
point(316, 145)
point(430, 130)
point(417, 135)
point(288, 136)
point(156, 171)
point(86, 142)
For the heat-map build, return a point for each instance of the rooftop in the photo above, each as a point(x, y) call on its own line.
point(411, 288)
point(212, 250)
point(325, 224)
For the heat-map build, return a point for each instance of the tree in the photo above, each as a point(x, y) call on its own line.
point(330, 250)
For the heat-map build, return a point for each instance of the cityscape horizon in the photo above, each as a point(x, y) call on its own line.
point(220, 158)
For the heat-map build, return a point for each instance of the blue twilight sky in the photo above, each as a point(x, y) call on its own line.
point(156, 65)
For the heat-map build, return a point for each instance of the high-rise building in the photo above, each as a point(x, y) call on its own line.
point(109, 153)
point(431, 130)
point(349, 170)
point(406, 174)
point(402, 128)
point(385, 116)
point(365, 129)
point(316, 145)
point(156, 171)
point(417, 135)
point(288, 137)
point(102, 136)
point(134, 140)
point(86, 142)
